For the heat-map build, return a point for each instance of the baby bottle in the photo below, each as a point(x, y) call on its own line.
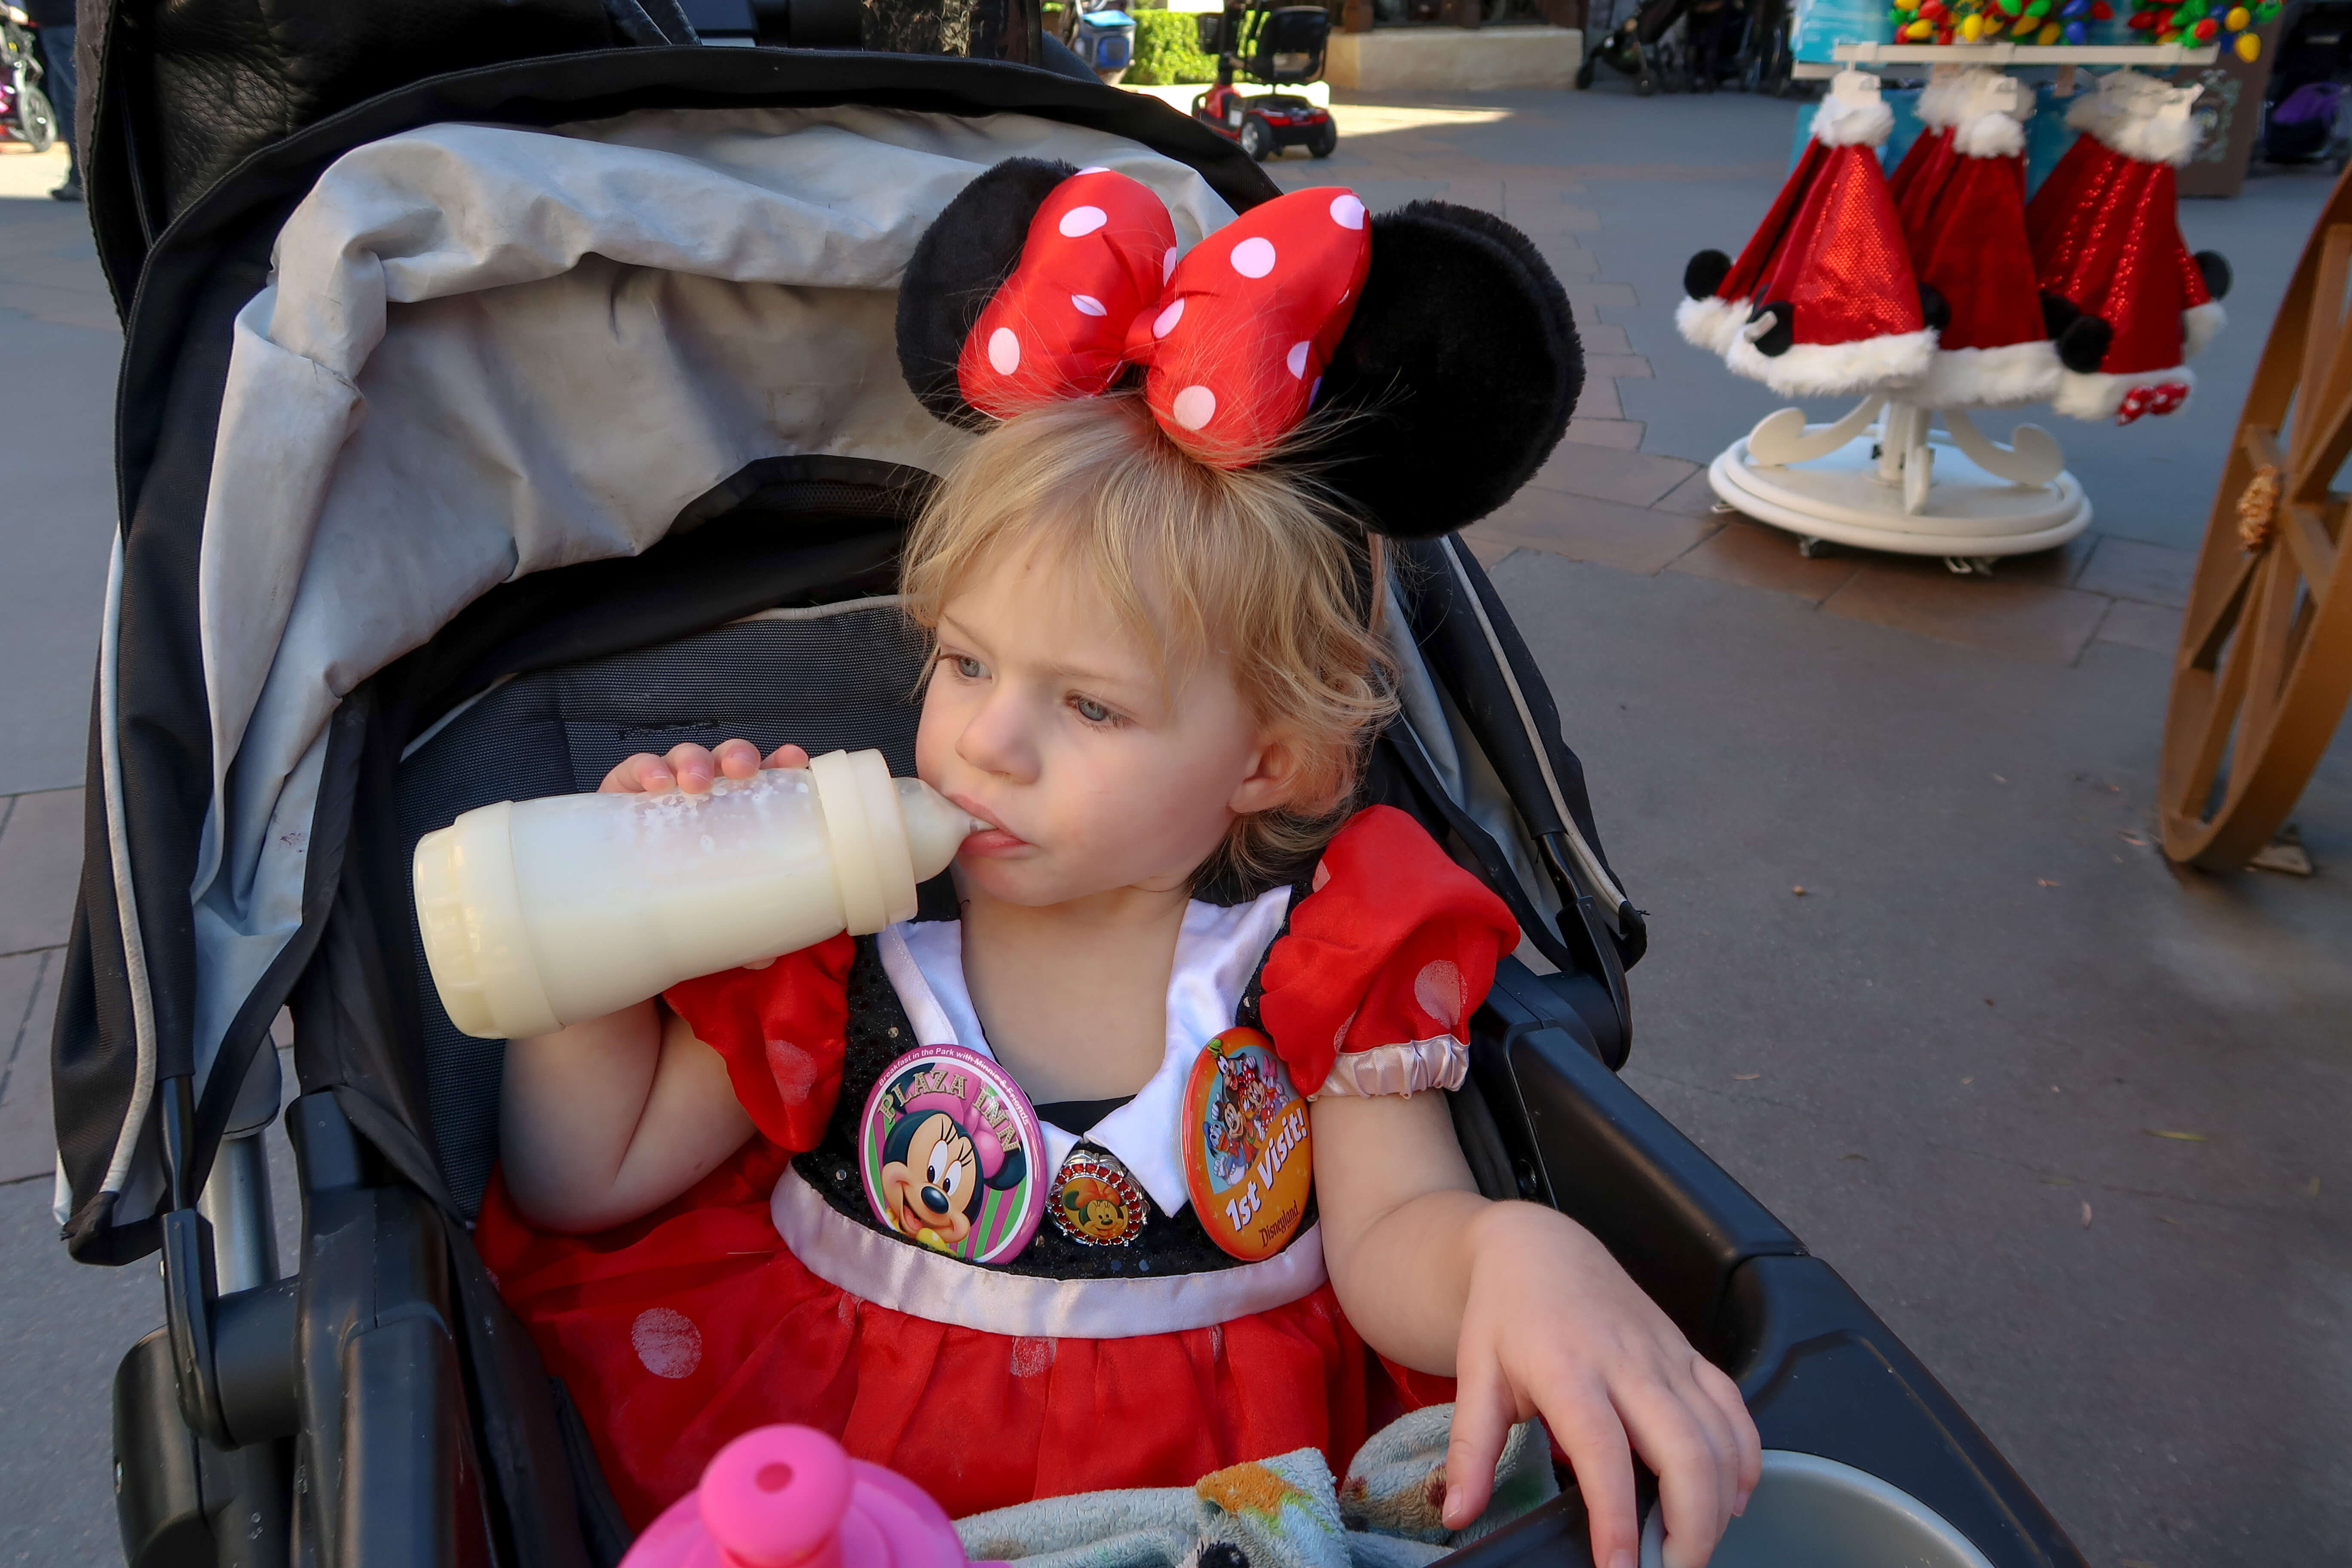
point(540, 913)
point(787, 1497)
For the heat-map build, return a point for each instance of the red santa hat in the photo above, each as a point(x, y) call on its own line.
point(1940, 106)
point(2126, 301)
point(1964, 218)
point(1822, 300)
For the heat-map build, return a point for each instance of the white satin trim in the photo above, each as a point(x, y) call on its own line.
point(1407, 1068)
point(925, 1284)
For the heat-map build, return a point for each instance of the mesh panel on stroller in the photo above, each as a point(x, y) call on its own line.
point(564, 421)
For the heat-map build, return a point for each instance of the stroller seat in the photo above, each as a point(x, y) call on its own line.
point(825, 677)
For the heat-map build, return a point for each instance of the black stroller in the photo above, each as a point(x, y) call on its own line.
point(630, 470)
point(25, 111)
point(1693, 46)
point(2304, 101)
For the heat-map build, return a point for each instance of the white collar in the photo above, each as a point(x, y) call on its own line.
point(1217, 950)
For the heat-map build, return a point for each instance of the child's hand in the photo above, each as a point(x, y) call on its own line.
point(693, 768)
point(1553, 1326)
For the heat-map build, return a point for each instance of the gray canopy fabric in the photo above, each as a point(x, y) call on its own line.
point(485, 351)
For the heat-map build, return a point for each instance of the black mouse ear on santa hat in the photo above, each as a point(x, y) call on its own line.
point(963, 259)
point(1455, 377)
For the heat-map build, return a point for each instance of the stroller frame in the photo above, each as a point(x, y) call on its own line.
point(381, 1406)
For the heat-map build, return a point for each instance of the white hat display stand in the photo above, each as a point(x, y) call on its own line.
point(1882, 477)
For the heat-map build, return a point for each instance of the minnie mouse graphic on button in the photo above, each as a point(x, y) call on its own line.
point(1248, 1160)
point(1096, 1202)
point(945, 1148)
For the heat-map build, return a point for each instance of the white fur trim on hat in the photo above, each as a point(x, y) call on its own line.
point(1942, 100)
point(1844, 122)
point(1829, 370)
point(2157, 127)
point(2005, 377)
point(1997, 134)
point(2096, 395)
point(2093, 111)
point(2199, 326)
point(1711, 322)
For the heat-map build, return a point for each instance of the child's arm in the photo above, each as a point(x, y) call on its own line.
point(1531, 1316)
point(609, 1118)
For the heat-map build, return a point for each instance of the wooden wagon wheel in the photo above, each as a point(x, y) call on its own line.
point(2265, 665)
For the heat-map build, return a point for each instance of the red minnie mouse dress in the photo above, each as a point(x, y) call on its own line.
point(771, 1292)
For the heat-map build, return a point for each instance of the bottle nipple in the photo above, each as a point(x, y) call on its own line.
point(936, 826)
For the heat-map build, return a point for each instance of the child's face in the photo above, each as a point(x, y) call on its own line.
point(1047, 719)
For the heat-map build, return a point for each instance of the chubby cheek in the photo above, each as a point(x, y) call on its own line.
point(935, 763)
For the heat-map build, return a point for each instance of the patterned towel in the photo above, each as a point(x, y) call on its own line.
point(1283, 1513)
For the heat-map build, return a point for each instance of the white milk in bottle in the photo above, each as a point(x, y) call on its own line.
point(541, 913)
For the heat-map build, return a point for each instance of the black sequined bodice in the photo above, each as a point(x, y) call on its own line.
point(879, 1033)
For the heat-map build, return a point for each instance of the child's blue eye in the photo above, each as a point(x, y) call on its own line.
point(967, 668)
point(1092, 711)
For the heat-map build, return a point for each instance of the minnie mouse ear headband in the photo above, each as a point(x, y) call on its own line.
point(1437, 329)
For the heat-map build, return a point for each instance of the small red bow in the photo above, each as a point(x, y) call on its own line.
point(2162, 398)
point(1234, 337)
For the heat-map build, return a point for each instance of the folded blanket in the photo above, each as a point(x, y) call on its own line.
point(1283, 1512)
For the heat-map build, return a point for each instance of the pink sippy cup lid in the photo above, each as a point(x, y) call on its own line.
point(775, 1497)
point(787, 1497)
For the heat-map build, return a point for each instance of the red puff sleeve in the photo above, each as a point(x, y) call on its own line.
point(1383, 963)
point(782, 1030)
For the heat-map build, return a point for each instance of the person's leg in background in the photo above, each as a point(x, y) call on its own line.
point(58, 81)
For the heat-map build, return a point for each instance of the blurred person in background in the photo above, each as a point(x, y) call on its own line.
point(54, 23)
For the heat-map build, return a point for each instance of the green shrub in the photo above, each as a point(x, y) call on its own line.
point(1167, 50)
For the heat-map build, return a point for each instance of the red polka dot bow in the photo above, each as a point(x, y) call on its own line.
point(1234, 337)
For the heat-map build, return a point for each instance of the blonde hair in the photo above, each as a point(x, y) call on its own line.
point(1256, 565)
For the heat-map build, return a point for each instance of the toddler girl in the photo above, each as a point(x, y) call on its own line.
point(1015, 1198)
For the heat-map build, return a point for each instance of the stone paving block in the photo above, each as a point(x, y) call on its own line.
point(1617, 367)
point(1756, 556)
point(1585, 295)
point(1486, 195)
point(2130, 569)
point(1611, 473)
point(1599, 399)
point(1608, 533)
point(1693, 497)
point(40, 865)
point(1626, 433)
point(2137, 625)
point(1570, 264)
point(1602, 338)
point(1548, 215)
point(1488, 551)
point(28, 1004)
point(60, 230)
point(2057, 568)
point(66, 307)
point(2024, 620)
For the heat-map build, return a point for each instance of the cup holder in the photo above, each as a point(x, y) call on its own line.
point(1812, 1512)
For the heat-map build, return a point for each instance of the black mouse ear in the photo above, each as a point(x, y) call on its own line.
point(962, 259)
point(1455, 377)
